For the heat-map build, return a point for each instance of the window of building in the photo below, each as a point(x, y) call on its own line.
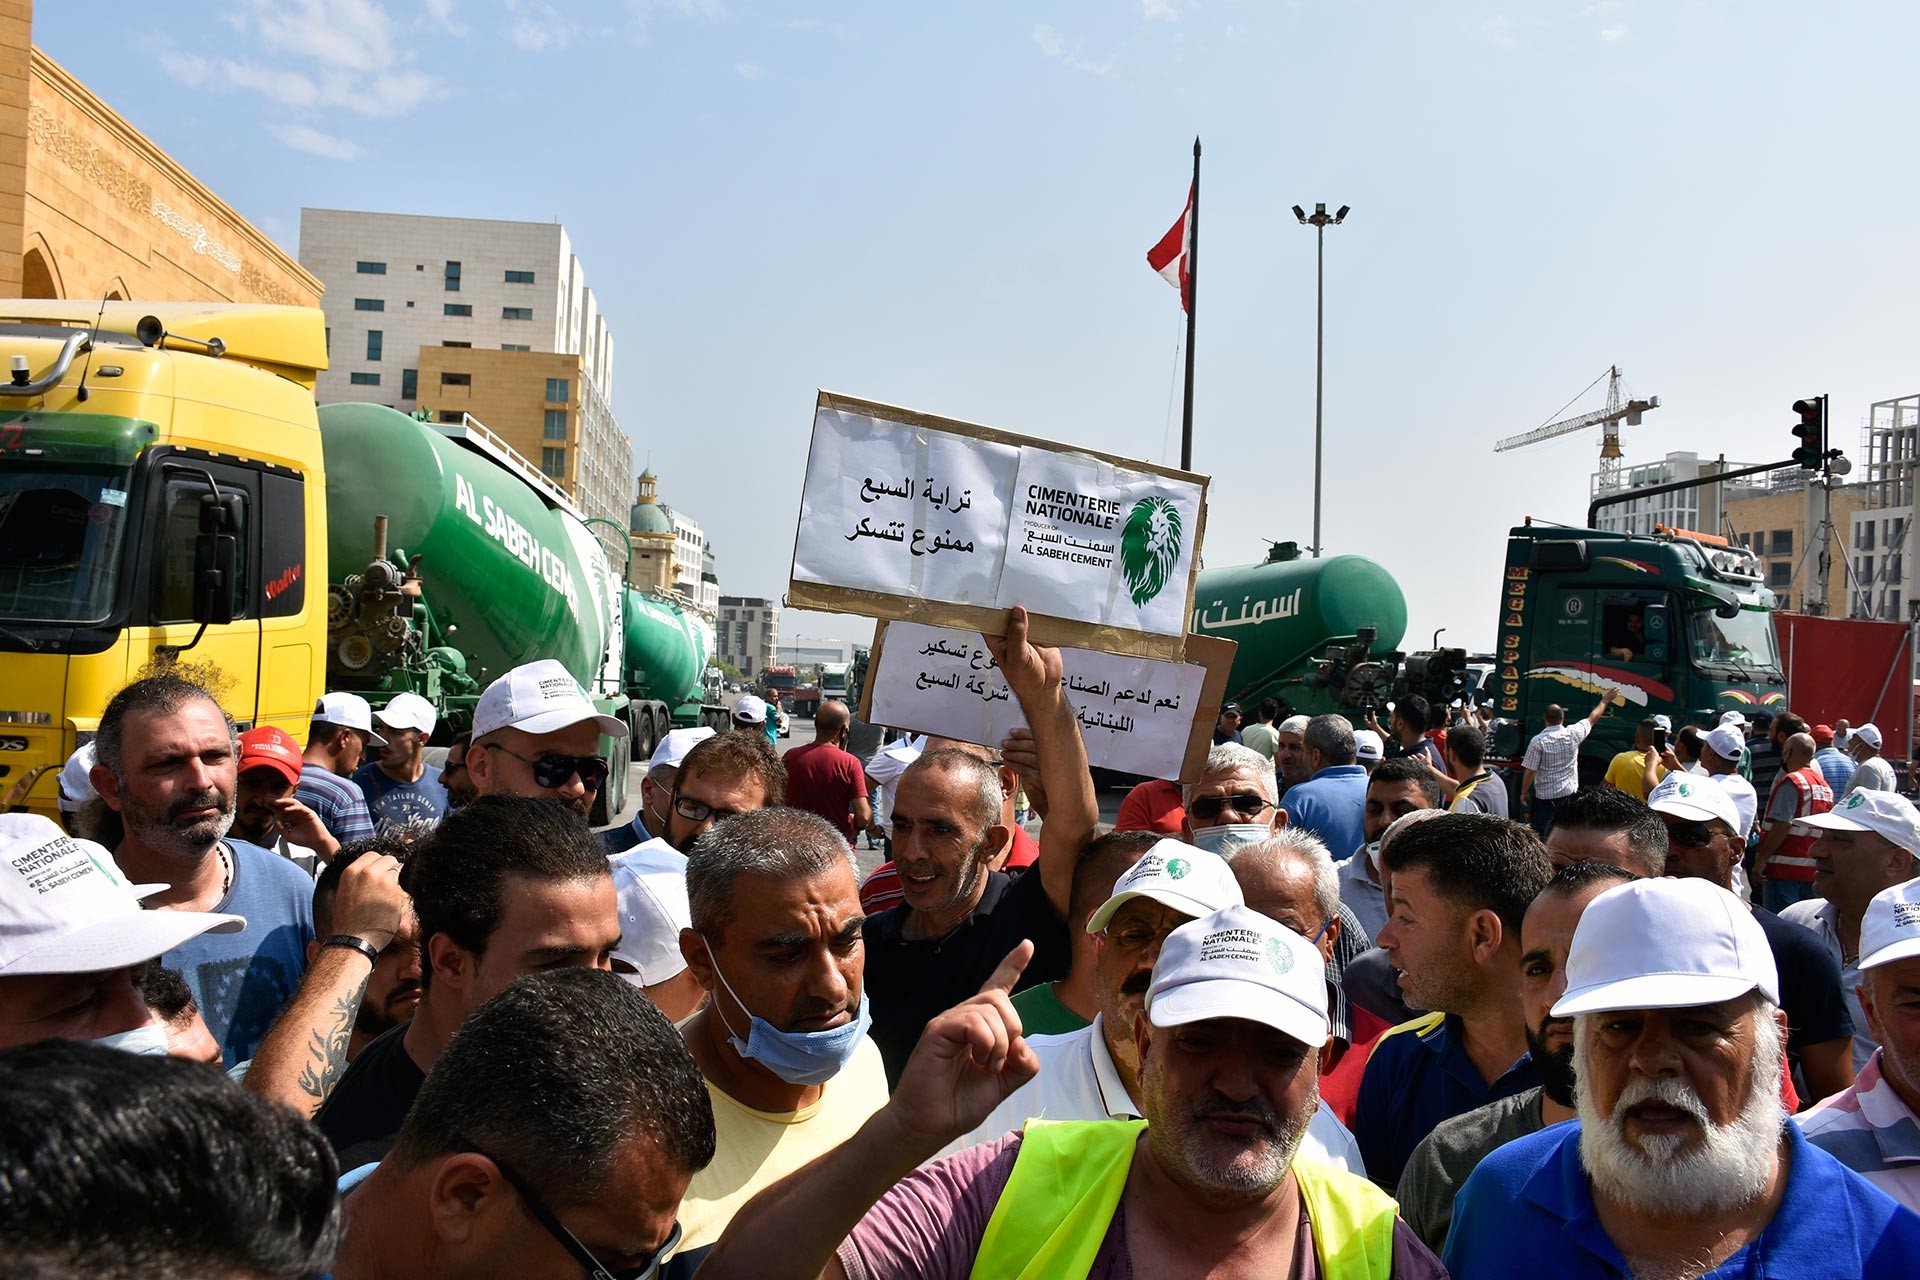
point(556, 424)
point(456, 344)
point(1783, 542)
point(453, 277)
point(456, 308)
point(369, 304)
point(514, 346)
point(370, 268)
point(516, 313)
point(519, 277)
point(409, 384)
point(374, 337)
point(451, 415)
point(409, 304)
point(1779, 574)
point(553, 462)
point(558, 389)
point(456, 379)
point(364, 379)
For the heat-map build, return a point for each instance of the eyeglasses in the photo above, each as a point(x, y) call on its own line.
point(1137, 935)
point(695, 811)
point(1246, 804)
point(555, 771)
point(596, 1270)
point(1693, 835)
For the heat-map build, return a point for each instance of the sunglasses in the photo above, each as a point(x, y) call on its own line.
point(1246, 804)
point(596, 1270)
point(1691, 834)
point(555, 771)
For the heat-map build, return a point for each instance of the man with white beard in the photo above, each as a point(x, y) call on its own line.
point(1682, 1164)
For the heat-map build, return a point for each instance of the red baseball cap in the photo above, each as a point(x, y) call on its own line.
point(1823, 734)
point(272, 748)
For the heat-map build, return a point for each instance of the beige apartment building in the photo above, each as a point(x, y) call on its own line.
point(1772, 522)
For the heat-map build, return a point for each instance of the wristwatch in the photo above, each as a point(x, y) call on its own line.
point(353, 943)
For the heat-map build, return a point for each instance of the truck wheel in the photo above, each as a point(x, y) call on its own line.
point(646, 735)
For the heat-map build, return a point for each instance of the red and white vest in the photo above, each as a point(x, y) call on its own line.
point(1793, 860)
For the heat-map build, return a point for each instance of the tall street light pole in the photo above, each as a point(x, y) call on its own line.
point(1319, 220)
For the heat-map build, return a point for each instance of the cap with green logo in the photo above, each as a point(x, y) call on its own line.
point(1177, 875)
point(1237, 963)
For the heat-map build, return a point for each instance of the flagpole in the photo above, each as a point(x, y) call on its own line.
point(1193, 306)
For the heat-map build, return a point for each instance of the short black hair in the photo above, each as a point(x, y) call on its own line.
point(1476, 860)
point(397, 843)
point(1610, 811)
point(1688, 741)
point(161, 694)
point(458, 876)
point(552, 1076)
point(166, 992)
point(1406, 769)
point(115, 1164)
point(1468, 745)
point(1267, 709)
point(1104, 860)
point(1575, 876)
point(1413, 709)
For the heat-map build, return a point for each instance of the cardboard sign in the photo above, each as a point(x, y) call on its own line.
point(1137, 715)
point(905, 515)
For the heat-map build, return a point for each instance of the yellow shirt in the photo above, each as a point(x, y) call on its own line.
point(754, 1149)
point(1628, 771)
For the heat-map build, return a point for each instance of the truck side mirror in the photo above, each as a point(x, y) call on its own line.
point(216, 559)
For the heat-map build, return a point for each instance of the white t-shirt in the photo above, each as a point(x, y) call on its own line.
point(885, 768)
point(1746, 801)
point(1079, 1081)
point(1874, 774)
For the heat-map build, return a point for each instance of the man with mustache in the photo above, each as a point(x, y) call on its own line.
point(166, 763)
point(1682, 1163)
point(535, 734)
point(265, 811)
point(1447, 1156)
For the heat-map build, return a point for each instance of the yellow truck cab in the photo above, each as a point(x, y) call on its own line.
point(160, 490)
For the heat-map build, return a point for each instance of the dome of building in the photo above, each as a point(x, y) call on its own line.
point(647, 517)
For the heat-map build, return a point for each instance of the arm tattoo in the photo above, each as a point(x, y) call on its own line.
point(327, 1052)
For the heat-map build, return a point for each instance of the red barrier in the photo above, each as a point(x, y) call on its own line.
point(1848, 668)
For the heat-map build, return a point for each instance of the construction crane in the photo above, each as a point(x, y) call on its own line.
point(1609, 418)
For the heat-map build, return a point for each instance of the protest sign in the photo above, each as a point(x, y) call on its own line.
point(1137, 715)
point(906, 515)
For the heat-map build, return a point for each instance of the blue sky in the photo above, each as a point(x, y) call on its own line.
point(948, 207)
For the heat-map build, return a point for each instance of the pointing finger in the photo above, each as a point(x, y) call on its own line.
point(1010, 968)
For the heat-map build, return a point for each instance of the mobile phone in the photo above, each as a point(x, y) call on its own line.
point(1659, 739)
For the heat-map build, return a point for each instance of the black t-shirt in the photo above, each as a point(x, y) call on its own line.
point(909, 981)
point(362, 1116)
point(1809, 985)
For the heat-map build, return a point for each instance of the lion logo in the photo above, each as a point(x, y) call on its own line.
point(1150, 547)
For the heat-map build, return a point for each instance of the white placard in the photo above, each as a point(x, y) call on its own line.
point(1136, 714)
point(951, 517)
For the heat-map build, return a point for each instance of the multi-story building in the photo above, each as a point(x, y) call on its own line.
point(471, 317)
point(1696, 509)
point(1768, 514)
point(748, 632)
point(1883, 583)
point(670, 553)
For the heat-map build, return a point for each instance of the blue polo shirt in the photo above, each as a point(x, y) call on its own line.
point(1418, 1075)
point(1331, 804)
point(1527, 1210)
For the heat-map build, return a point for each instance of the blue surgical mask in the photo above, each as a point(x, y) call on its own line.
point(149, 1041)
point(1229, 838)
point(798, 1057)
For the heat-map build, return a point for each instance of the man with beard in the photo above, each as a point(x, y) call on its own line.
point(264, 809)
point(166, 764)
point(1206, 1184)
point(1446, 1157)
point(959, 918)
point(455, 778)
point(1461, 885)
point(535, 734)
point(399, 793)
point(726, 774)
point(656, 791)
point(1682, 1163)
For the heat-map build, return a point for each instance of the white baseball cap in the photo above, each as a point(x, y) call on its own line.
point(1734, 717)
point(65, 907)
point(1885, 813)
point(1296, 725)
point(76, 784)
point(348, 710)
point(1669, 943)
point(1688, 795)
point(1176, 875)
point(1726, 742)
point(751, 709)
point(1368, 747)
point(409, 711)
point(1237, 963)
point(650, 881)
point(538, 697)
point(1891, 928)
point(1663, 723)
point(1870, 734)
point(674, 747)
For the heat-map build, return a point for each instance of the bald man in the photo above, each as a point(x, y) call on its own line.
point(823, 777)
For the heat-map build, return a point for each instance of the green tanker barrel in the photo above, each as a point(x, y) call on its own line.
point(1284, 613)
point(506, 577)
point(667, 649)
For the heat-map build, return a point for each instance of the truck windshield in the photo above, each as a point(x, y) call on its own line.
point(60, 536)
point(1744, 640)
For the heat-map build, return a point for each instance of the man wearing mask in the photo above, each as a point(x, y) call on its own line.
point(782, 1042)
point(1871, 771)
point(75, 943)
point(656, 791)
point(535, 734)
point(1232, 802)
point(396, 786)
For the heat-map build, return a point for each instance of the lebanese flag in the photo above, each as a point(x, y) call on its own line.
point(1169, 257)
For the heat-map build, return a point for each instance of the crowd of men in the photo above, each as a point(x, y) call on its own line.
point(1350, 1003)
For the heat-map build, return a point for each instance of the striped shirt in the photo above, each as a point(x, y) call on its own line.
point(1554, 757)
point(1869, 1129)
point(341, 806)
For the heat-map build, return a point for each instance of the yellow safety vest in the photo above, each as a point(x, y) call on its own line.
point(1066, 1184)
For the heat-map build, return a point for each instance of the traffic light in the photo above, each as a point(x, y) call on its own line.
point(1811, 431)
